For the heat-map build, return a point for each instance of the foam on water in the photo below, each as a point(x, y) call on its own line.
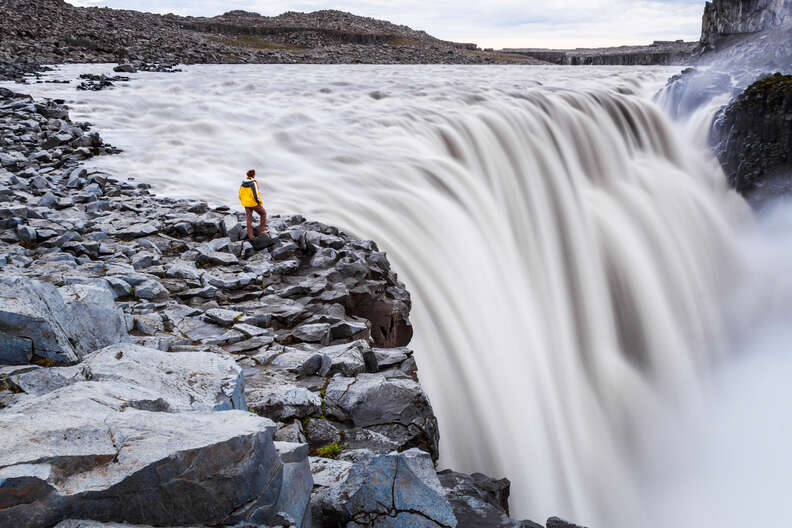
point(579, 269)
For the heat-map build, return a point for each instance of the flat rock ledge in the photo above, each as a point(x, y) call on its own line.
point(159, 369)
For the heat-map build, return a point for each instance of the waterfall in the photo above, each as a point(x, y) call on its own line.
point(568, 258)
point(568, 248)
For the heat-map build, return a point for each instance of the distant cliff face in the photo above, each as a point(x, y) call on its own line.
point(729, 17)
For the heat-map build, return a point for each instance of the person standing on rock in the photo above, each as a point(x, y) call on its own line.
point(250, 196)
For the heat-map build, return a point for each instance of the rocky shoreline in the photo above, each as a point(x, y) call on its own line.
point(158, 368)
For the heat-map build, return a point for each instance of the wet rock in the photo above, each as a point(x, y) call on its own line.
point(125, 68)
point(555, 522)
point(478, 500)
point(752, 138)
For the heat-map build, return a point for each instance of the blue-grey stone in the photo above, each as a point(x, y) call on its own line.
point(64, 324)
point(15, 350)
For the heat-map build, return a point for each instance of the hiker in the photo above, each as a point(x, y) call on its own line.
point(250, 197)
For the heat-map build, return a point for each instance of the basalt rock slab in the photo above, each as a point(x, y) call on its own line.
point(382, 491)
point(62, 324)
point(395, 407)
point(139, 467)
point(480, 501)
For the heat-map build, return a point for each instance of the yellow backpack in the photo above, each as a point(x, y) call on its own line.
point(249, 194)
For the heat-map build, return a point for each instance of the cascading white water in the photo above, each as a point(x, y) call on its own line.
point(569, 252)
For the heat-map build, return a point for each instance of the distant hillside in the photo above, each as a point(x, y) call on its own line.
point(55, 31)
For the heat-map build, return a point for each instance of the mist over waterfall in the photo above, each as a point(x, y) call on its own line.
point(583, 279)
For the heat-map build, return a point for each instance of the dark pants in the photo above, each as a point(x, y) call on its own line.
point(249, 213)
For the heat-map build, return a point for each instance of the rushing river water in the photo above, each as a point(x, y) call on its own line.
point(597, 316)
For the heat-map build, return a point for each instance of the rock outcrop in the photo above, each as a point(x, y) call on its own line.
point(752, 138)
point(723, 18)
point(657, 53)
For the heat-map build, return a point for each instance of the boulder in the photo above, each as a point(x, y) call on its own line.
point(397, 408)
point(752, 138)
point(384, 491)
point(555, 522)
point(148, 378)
point(282, 401)
point(196, 381)
point(63, 324)
point(480, 501)
point(72, 454)
point(312, 333)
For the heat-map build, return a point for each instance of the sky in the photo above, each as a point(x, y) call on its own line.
point(492, 24)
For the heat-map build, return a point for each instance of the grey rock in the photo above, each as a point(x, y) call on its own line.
point(26, 234)
point(209, 257)
point(48, 200)
point(149, 324)
point(282, 401)
point(321, 433)
point(82, 458)
point(290, 433)
point(125, 68)
point(370, 400)
point(151, 290)
point(478, 500)
point(312, 333)
point(63, 325)
point(385, 491)
point(196, 381)
point(222, 317)
point(144, 259)
point(555, 522)
point(350, 359)
point(40, 381)
point(15, 350)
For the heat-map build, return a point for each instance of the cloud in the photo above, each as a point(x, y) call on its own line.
point(498, 23)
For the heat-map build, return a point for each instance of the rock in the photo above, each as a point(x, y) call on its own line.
point(125, 68)
point(62, 325)
point(350, 359)
point(370, 400)
point(38, 381)
point(478, 500)
point(389, 317)
point(290, 433)
point(321, 433)
point(15, 350)
point(26, 234)
point(150, 290)
point(208, 257)
point(555, 522)
point(385, 491)
point(222, 317)
point(294, 500)
point(752, 138)
point(80, 458)
point(312, 333)
point(284, 402)
point(734, 17)
point(192, 381)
